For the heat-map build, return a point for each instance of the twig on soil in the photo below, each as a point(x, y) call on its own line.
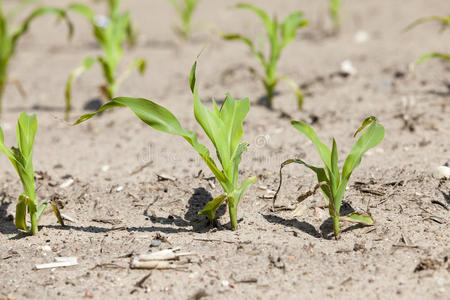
point(141, 168)
point(68, 218)
point(436, 219)
point(164, 177)
point(215, 240)
point(60, 262)
point(140, 283)
point(440, 204)
point(108, 266)
point(161, 260)
point(406, 246)
point(107, 221)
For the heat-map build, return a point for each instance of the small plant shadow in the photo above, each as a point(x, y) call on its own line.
point(441, 94)
point(93, 104)
point(6, 220)
point(294, 223)
point(446, 196)
point(262, 101)
point(325, 229)
point(198, 222)
point(197, 201)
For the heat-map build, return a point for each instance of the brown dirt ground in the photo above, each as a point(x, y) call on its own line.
point(272, 255)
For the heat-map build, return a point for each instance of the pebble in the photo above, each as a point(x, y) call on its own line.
point(156, 243)
point(66, 183)
point(361, 37)
point(348, 68)
point(443, 172)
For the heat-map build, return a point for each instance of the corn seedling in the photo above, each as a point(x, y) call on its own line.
point(111, 33)
point(445, 23)
point(335, 14)
point(332, 182)
point(224, 129)
point(185, 9)
point(21, 158)
point(9, 37)
point(279, 36)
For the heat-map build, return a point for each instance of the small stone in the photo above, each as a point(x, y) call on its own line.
point(66, 183)
point(348, 68)
point(156, 243)
point(361, 37)
point(443, 172)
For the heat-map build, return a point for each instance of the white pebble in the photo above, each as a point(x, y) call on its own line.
point(348, 68)
point(443, 172)
point(66, 183)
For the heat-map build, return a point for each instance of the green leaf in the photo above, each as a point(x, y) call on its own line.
point(367, 121)
point(192, 77)
point(40, 210)
point(335, 176)
point(210, 208)
point(239, 192)
point(26, 131)
point(432, 55)
point(335, 7)
point(320, 173)
point(83, 10)
point(444, 20)
point(262, 14)
point(249, 43)
point(23, 28)
point(290, 26)
point(373, 135)
point(88, 62)
point(358, 218)
point(140, 64)
point(161, 119)
point(296, 89)
point(233, 113)
point(21, 211)
point(224, 127)
point(108, 70)
point(236, 160)
point(5, 150)
point(322, 149)
point(58, 214)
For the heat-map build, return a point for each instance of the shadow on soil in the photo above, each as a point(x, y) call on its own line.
point(325, 230)
point(6, 220)
point(440, 93)
point(200, 224)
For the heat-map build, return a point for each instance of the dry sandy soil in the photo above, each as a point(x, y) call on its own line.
point(121, 205)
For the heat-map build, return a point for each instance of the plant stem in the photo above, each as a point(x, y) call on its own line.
point(34, 225)
point(270, 89)
point(233, 215)
point(2, 90)
point(336, 226)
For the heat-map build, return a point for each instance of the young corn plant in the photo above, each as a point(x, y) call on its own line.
point(335, 14)
point(445, 23)
point(331, 181)
point(222, 126)
point(10, 35)
point(111, 33)
point(279, 36)
point(21, 158)
point(185, 9)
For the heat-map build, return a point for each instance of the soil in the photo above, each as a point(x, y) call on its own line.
point(133, 187)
